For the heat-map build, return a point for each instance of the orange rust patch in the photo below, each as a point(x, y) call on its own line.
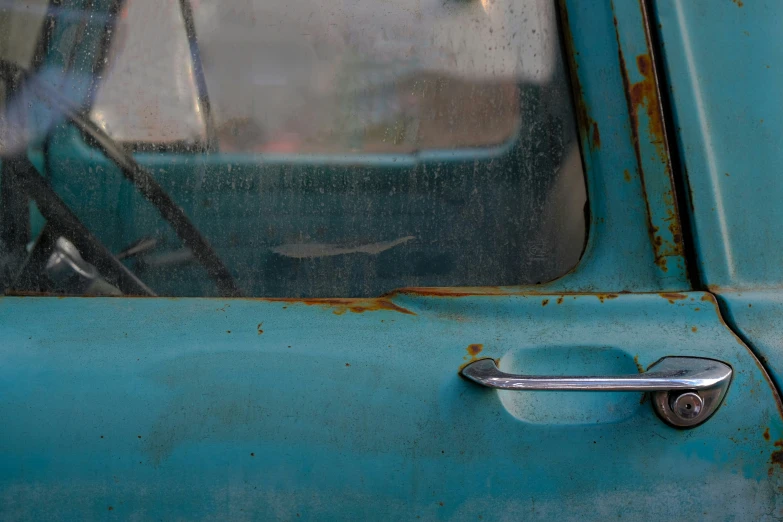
point(672, 297)
point(694, 329)
point(343, 305)
point(560, 300)
point(475, 349)
point(627, 175)
point(601, 297)
point(739, 3)
point(643, 98)
point(644, 94)
point(545, 302)
point(260, 331)
point(766, 434)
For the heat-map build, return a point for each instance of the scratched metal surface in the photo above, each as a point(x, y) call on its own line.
point(253, 409)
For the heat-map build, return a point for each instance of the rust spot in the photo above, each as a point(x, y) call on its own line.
point(639, 367)
point(111, 508)
point(340, 306)
point(627, 175)
point(739, 3)
point(475, 349)
point(602, 297)
point(560, 300)
point(707, 297)
point(766, 434)
point(777, 455)
point(347, 364)
point(596, 137)
point(694, 329)
point(545, 302)
point(228, 331)
point(260, 331)
point(252, 454)
point(672, 297)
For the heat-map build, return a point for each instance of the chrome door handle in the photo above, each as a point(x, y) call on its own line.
point(686, 391)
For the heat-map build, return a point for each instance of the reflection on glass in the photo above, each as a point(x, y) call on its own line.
point(328, 76)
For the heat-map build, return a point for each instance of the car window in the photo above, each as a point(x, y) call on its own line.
point(317, 149)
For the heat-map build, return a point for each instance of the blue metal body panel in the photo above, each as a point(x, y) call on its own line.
point(185, 409)
point(352, 409)
point(725, 80)
point(723, 64)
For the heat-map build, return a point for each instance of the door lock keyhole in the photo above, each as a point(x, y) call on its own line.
point(687, 406)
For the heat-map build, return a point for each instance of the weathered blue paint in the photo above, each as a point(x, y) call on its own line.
point(725, 74)
point(183, 409)
point(756, 315)
point(353, 409)
point(723, 64)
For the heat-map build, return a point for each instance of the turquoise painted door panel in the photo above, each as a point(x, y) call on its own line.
point(258, 409)
point(722, 61)
point(723, 66)
point(755, 314)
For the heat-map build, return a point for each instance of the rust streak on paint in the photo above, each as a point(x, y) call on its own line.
point(560, 300)
point(545, 302)
point(340, 306)
point(642, 98)
point(596, 137)
point(766, 434)
point(672, 297)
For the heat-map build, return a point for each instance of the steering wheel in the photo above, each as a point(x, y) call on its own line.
point(56, 211)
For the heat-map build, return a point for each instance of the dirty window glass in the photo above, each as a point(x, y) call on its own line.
point(300, 148)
